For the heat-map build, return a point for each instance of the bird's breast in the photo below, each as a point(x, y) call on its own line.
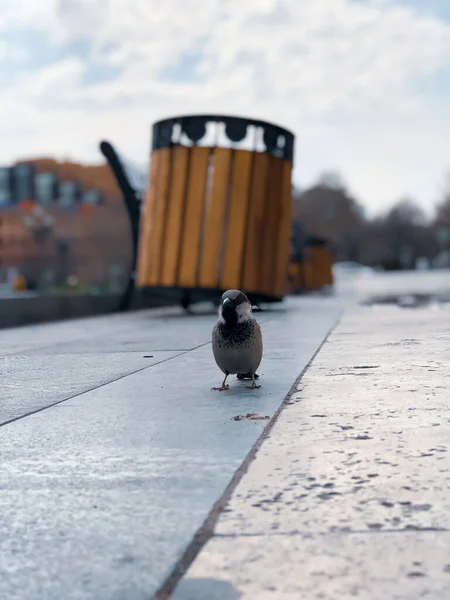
point(237, 349)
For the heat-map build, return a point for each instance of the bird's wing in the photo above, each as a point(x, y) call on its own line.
point(258, 341)
point(258, 334)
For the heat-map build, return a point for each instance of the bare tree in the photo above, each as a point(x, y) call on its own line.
point(328, 210)
point(443, 212)
point(441, 223)
point(408, 235)
point(394, 240)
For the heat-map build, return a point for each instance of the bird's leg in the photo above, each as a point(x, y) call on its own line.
point(254, 385)
point(224, 385)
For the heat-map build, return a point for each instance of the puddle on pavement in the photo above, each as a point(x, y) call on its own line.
point(412, 300)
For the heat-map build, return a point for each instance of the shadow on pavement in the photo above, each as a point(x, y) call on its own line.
point(205, 589)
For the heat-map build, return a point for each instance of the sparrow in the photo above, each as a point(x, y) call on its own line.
point(236, 339)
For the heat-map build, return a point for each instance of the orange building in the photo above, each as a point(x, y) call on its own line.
point(62, 219)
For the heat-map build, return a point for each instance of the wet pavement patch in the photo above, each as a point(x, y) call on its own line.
point(412, 300)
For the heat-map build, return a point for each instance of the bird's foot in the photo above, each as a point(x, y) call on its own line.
point(221, 388)
point(254, 386)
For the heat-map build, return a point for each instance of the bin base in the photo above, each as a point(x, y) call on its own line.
point(170, 296)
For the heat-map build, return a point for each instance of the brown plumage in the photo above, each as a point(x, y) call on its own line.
point(237, 339)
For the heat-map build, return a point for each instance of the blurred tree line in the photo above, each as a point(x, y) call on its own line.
point(396, 239)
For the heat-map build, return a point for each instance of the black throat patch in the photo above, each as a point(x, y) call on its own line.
point(234, 332)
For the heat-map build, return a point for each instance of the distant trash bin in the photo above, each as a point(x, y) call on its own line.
point(317, 269)
point(19, 283)
point(217, 211)
point(295, 277)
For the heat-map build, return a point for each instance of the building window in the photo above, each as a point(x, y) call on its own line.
point(24, 177)
point(69, 193)
point(92, 197)
point(45, 188)
point(6, 191)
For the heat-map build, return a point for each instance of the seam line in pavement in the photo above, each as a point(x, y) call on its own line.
point(38, 349)
point(206, 530)
point(96, 387)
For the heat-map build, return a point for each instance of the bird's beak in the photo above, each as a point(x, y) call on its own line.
point(227, 302)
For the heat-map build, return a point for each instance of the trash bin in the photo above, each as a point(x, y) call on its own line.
point(217, 211)
point(318, 264)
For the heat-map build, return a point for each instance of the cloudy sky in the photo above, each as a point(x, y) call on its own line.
point(364, 84)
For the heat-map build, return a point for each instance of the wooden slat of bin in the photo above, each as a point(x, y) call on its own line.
point(317, 267)
point(159, 215)
point(325, 266)
point(301, 277)
point(254, 238)
point(308, 272)
point(271, 224)
point(284, 232)
point(320, 266)
point(321, 259)
point(145, 233)
point(198, 170)
point(174, 226)
point(329, 268)
point(309, 276)
point(215, 219)
point(230, 276)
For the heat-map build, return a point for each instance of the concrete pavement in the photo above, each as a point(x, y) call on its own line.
point(114, 449)
point(349, 494)
point(121, 471)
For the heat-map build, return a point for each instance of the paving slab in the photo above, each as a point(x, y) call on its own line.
point(125, 332)
point(103, 491)
point(87, 353)
point(349, 494)
point(407, 566)
point(34, 381)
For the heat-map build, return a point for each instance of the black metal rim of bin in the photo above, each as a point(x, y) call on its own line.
point(193, 129)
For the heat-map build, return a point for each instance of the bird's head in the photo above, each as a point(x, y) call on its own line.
point(235, 307)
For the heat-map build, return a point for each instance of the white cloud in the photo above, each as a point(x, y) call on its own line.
point(344, 75)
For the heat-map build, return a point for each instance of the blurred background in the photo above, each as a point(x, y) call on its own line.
point(363, 84)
